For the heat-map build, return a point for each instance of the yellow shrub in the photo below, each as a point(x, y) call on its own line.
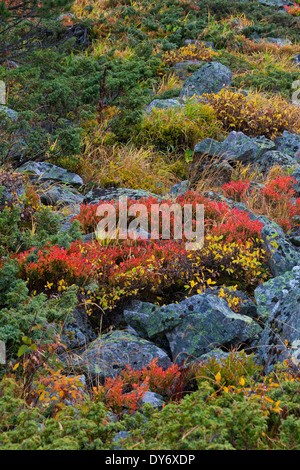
point(198, 51)
point(255, 114)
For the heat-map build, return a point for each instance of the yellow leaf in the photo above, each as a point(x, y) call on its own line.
point(242, 381)
point(218, 376)
point(16, 366)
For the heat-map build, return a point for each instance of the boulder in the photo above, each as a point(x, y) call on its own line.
point(109, 354)
point(283, 255)
point(186, 68)
point(78, 332)
point(274, 158)
point(60, 195)
point(289, 144)
point(163, 104)
point(210, 78)
point(44, 171)
point(113, 194)
point(192, 327)
point(278, 304)
point(236, 147)
point(296, 174)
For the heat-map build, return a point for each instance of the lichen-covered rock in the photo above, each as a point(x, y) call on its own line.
point(246, 305)
point(163, 104)
point(108, 355)
point(283, 255)
point(210, 78)
point(78, 332)
point(192, 327)
point(278, 303)
point(236, 147)
point(44, 171)
point(179, 189)
point(289, 144)
point(153, 399)
point(113, 194)
point(293, 236)
point(186, 68)
point(296, 174)
point(60, 195)
point(275, 157)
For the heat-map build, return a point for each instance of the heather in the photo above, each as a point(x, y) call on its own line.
point(138, 343)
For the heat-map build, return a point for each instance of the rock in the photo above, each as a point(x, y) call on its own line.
point(293, 236)
point(14, 189)
point(163, 104)
point(283, 255)
point(296, 174)
point(113, 194)
point(115, 441)
point(178, 189)
point(60, 195)
point(247, 306)
point(289, 144)
point(63, 16)
point(216, 354)
point(210, 78)
point(236, 147)
point(153, 399)
point(296, 59)
point(275, 3)
point(66, 219)
point(192, 327)
point(43, 171)
point(273, 158)
point(278, 41)
point(108, 355)
point(186, 68)
point(9, 113)
point(78, 333)
point(278, 303)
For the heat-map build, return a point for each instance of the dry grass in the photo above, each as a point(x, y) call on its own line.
point(126, 166)
point(168, 82)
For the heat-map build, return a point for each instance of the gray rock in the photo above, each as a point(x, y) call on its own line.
point(283, 255)
point(289, 144)
point(236, 147)
point(78, 332)
point(293, 236)
point(192, 327)
point(163, 104)
point(275, 3)
point(179, 189)
point(113, 194)
point(216, 354)
point(274, 158)
point(186, 68)
point(210, 78)
point(278, 303)
point(296, 59)
point(9, 113)
point(296, 174)
point(153, 399)
point(108, 355)
point(44, 171)
point(60, 195)
point(116, 440)
point(278, 41)
point(247, 306)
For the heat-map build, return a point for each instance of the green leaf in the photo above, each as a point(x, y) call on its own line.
point(22, 350)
